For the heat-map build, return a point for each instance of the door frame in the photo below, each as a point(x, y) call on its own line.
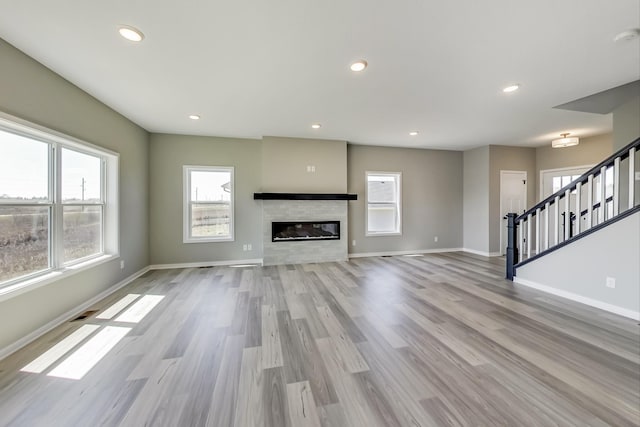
point(502, 173)
point(564, 169)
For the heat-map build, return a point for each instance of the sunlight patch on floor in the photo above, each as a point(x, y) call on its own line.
point(52, 355)
point(118, 306)
point(89, 354)
point(140, 309)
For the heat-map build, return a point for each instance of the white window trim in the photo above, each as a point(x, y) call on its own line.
point(186, 202)
point(111, 214)
point(396, 175)
point(564, 171)
point(34, 281)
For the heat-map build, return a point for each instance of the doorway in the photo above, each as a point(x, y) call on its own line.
point(552, 180)
point(513, 199)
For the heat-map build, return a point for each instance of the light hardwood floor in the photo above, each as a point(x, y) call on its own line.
point(436, 340)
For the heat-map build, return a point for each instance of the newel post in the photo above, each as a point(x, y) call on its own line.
point(512, 249)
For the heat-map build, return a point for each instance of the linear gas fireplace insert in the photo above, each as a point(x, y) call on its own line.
point(305, 230)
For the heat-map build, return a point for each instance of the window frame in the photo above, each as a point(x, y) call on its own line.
point(398, 203)
point(187, 203)
point(110, 239)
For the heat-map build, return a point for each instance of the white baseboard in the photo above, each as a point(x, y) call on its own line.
point(579, 298)
point(11, 348)
point(487, 254)
point(205, 264)
point(396, 253)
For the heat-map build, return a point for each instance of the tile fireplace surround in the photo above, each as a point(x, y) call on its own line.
point(299, 252)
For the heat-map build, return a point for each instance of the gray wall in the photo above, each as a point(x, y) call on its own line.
point(579, 268)
point(285, 161)
point(476, 199)
point(32, 92)
point(431, 198)
point(626, 123)
point(507, 158)
point(482, 166)
point(626, 128)
point(168, 153)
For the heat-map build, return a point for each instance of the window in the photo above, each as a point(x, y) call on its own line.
point(83, 204)
point(208, 204)
point(58, 201)
point(25, 206)
point(563, 180)
point(383, 203)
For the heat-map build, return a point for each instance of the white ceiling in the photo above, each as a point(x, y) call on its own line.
point(273, 67)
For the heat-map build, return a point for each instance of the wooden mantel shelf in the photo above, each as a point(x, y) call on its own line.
point(304, 196)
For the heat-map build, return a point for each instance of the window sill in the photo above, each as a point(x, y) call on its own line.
point(383, 234)
point(209, 240)
point(30, 284)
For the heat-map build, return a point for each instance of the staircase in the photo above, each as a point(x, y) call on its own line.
point(599, 198)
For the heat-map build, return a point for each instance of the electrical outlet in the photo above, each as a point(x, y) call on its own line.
point(353, 242)
point(121, 264)
point(435, 239)
point(313, 168)
point(249, 247)
point(308, 168)
point(244, 247)
point(611, 282)
point(637, 176)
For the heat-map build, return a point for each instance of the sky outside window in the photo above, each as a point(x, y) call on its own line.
point(208, 186)
point(80, 177)
point(23, 167)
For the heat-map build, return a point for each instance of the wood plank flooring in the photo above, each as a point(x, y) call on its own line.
point(434, 340)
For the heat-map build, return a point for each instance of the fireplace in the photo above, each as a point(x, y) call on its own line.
point(279, 219)
point(305, 231)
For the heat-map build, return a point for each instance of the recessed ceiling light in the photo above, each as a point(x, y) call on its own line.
point(316, 125)
point(627, 35)
point(194, 117)
point(359, 65)
point(413, 133)
point(511, 88)
point(131, 33)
